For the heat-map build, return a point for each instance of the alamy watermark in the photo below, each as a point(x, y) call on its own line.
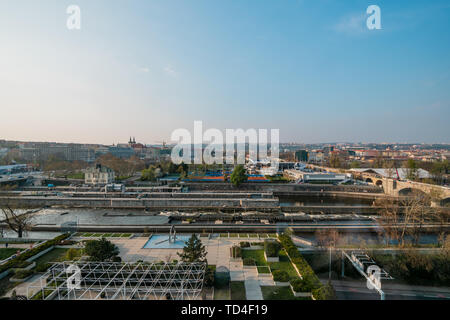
point(74, 19)
point(73, 22)
point(210, 147)
point(374, 20)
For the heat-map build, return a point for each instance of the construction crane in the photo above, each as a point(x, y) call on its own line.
point(396, 171)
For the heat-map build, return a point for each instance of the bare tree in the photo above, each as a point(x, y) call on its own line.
point(404, 217)
point(15, 221)
point(328, 238)
point(389, 213)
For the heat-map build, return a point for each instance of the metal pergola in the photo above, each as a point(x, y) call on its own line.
point(363, 263)
point(120, 281)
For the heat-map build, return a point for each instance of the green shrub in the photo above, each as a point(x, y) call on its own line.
point(308, 274)
point(280, 276)
point(302, 285)
point(208, 280)
point(245, 244)
point(22, 264)
point(71, 254)
point(22, 274)
point(272, 248)
point(325, 292)
point(20, 260)
point(249, 262)
point(42, 267)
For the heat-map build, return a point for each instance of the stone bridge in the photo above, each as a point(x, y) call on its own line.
point(397, 188)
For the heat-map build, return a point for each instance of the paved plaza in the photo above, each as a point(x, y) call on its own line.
point(218, 253)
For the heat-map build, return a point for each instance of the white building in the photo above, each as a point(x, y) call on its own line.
point(317, 177)
point(99, 175)
point(392, 173)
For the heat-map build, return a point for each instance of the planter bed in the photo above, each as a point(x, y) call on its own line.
point(300, 294)
point(271, 259)
point(30, 255)
point(281, 284)
point(264, 271)
point(248, 267)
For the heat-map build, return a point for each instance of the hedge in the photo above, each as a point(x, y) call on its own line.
point(280, 276)
point(302, 285)
point(22, 274)
point(245, 244)
point(320, 291)
point(249, 262)
point(272, 248)
point(19, 261)
point(325, 292)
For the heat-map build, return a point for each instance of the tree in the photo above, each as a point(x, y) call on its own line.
point(355, 164)
point(193, 251)
point(101, 250)
point(378, 162)
point(439, 171)
point(335, 161)
point(327, 238)
point(404, 217)
point(238, 176)
point(390, 168)
point(15, 221)
point(148, 174)
point(411, 170)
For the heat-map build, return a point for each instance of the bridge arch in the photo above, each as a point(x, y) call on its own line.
point(408, 191)
point(445, 202)
point(369, 180)
point(379, 183)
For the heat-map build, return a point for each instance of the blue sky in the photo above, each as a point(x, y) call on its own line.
point(310, 68)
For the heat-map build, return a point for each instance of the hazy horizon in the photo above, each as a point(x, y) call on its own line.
point(145, 68)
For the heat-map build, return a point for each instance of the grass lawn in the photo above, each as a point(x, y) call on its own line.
point(224, 235)
point(55, 255)
point(237, 290)
point(284, 264)
point(97, 235)
point(272, 235)
point(233, 235)
point(279, 293)
point(263, 269)
point(243, 235)
point(115, 235)
point(253, 235)
point(257, 255)
point(8, 252)
point(125, 235)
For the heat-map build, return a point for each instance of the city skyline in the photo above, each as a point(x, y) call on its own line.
point(309, 68)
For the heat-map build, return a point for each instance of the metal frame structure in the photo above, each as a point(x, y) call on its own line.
point(361, 261)
point(120, 281)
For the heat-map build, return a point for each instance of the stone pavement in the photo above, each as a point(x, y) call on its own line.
point(21, 288)
point(218, 254)
point(131, 250)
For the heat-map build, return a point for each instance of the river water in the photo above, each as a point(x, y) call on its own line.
point(300, 201)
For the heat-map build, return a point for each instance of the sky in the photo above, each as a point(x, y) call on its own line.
point(310, 68)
